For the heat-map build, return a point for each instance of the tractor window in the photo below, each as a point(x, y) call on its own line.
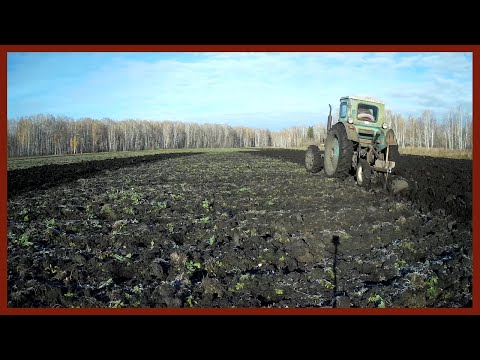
point(343, 109)
point(368, 110)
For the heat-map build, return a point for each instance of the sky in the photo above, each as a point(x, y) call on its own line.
point(273, 90)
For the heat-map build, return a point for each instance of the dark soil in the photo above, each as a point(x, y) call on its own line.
point(435, 183)
point(46, 176)
point(240, 230)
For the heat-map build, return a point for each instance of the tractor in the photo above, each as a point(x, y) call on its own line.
point(359, 144)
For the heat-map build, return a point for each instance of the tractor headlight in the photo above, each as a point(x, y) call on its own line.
point(350, 120)
point(384, 125)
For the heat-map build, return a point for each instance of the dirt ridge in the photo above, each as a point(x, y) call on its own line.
point(46, 176)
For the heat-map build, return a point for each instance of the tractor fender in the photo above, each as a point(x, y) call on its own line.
point(386, 139)
point(351, 133)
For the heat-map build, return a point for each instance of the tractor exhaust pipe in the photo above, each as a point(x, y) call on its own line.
point(329, 121)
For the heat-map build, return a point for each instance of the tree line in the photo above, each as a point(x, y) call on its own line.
point(58, 135)
point(51, 135)
point(454, 132)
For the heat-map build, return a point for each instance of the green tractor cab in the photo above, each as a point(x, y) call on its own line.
point(361, 142)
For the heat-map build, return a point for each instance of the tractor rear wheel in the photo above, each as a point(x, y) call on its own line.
point(364, 173)
point(338, 152)
point(393, 154)
point(313, 159)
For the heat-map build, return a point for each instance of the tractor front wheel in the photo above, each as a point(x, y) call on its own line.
point(313, 159)
point(338, 152)
point(364, 173)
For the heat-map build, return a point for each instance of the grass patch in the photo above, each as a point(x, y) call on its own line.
point(437, 152)
point(27, 162)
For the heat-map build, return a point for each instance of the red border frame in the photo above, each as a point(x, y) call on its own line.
point(475, 49)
